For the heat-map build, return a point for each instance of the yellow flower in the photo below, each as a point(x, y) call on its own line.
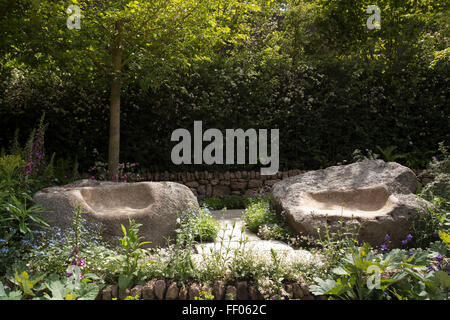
point(444, 236)
point(70, 296)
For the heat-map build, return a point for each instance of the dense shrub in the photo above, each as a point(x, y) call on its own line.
point(205, 227)
point(435, 218)
point(226, 201)
point(322, 116)
point(258, 214)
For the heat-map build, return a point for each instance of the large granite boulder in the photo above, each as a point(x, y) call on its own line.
point(373, 196)
point(153, 204)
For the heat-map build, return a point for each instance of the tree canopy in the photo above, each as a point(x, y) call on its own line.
point(135, 70)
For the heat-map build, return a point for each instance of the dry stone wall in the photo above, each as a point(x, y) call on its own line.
point(218, 184)
point(158, 289)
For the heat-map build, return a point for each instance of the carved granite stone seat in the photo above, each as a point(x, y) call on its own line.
point(374, 197)
point(153, 204)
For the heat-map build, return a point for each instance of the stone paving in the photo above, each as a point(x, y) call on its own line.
point(233, 232)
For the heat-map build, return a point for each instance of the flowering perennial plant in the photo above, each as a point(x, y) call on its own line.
point(35, 150)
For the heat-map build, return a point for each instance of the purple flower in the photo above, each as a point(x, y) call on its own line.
point(383, 246)
point(387, 237)
point(430, 268)
point(438, 258)
point(408, 238)
point(411, 253)
point(438, 268)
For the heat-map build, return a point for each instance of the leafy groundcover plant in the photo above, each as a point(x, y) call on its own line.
point(53, 287)
point(130, 261)
point(364, 273)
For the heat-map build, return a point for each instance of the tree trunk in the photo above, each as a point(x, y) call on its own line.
point(114, 105)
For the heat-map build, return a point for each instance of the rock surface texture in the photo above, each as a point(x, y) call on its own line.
point(153, 204)
point(374, 197)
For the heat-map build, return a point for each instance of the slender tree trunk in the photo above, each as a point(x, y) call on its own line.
point(114, 100)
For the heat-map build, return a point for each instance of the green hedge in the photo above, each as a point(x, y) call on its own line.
point(323, 115)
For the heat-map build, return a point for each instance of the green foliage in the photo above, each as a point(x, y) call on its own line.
point(257, 214)
point(179, 264)
point(204, 295)
point(222, 258)
point(261, 219)
point(156, 36)
point(7, 294)
point(428, 222)
point(52, 250)
point(226, 201)
point(126, 172)
point(26, 284)
point(339, 28)
point(389, 155)
point(77, 225)
point(66, 170)
point(359, 156)
point(313, 70)
point(130, 267)
point(440, 170)
point(10, 166)
point(175, 262)
point(65, 289)
point(205, 227)
point(17, 217)
point(136, 297)
point(52, 287)
point(41, 253)
point(336, 244)
point(417, 158)
point(433, 219)
point(364, 274)
point(213, 203)
point(277, 272)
